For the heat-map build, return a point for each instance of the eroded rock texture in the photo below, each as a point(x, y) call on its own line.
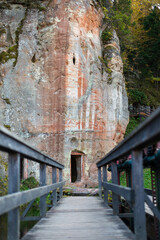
point(55, 90)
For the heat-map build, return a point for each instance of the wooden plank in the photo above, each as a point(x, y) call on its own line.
point(12, 201)
point(152, 207)
point(115, 197)
point(139, 209)
point(26, 210)
point(105, 180)
point(54, 180)
point(60, 180)
point(80, 218)
point(31, 218)
point(13, 187)
point(11, 143)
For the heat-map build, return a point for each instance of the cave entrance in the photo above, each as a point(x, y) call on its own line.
point(76, 168)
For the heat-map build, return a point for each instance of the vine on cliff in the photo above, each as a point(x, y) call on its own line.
point(18, 33)
point(106, 38)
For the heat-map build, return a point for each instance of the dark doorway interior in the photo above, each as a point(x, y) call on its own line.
point(75, 168)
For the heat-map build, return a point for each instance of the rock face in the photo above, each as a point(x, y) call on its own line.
point(55, 91)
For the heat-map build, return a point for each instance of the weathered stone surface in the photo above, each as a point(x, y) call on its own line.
point(54, 90)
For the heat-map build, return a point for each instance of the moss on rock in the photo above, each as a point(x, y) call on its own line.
point(107, 35)
point(8, 127)
point(6, 55)
point(106, 68)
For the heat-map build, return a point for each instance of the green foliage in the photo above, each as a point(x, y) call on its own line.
point(7, 55)
point(3, 180)
point(106, 36)
point(12, 51)
point(4, 185)
point(146, 59)
point(133, 123)
point(147, 178)
point(109, 196)
point(3, 226)
point(155, 79)
point(136, 96)
point(139, 34)
point(150, 51)
point(122, 17)
point(146, 175)
point(18, 33)
point(105, 66)
point(108, 31)
point(7, 126)
point(67, 192)
point(123, 179)
point(29, 183)
point(7, 100)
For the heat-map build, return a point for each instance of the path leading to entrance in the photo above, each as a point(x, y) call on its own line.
point(80, 218)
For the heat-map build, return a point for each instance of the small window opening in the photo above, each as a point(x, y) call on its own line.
point(34, 58)
point(74, 60)
point(75, 168)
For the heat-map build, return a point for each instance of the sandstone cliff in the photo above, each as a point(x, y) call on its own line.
point(56, 92)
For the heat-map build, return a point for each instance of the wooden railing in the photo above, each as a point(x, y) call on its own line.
point(148, 133)
point(18, 150)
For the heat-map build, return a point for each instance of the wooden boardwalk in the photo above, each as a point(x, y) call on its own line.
point(80, 218)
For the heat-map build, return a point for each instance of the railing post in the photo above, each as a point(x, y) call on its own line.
point(54, 180)
point(13, 187)
point(100, 182)
point(60, 180)
point(105, 180)
point(137, 182)
point(115, 197)
point(43, 204)
point(129, 184)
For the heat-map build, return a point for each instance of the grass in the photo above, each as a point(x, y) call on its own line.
point(146, 176)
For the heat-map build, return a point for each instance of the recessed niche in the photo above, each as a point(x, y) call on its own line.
point(74, 59)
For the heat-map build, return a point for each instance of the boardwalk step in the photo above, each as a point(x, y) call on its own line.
point(80, 218)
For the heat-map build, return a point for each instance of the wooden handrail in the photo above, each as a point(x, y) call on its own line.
point(14, 200)
point(17, 149)
point(146, 134)
point(11, 143)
